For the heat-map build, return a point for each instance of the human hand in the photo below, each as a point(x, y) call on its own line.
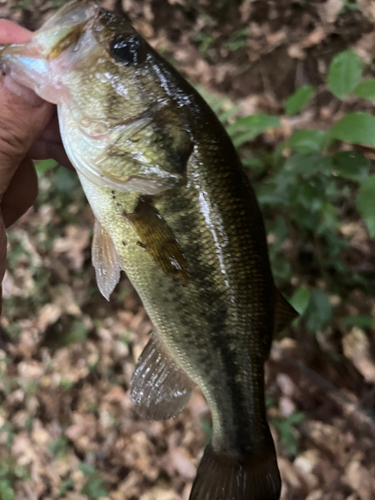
point(28, 130)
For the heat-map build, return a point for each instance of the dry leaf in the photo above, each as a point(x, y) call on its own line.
point(356, 347)
point(73, 245)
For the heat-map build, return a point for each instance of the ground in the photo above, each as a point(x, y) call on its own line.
point(67, 428)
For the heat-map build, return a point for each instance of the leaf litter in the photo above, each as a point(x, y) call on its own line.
point(67, 428)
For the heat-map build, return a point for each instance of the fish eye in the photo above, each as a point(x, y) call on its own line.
point(127, 50)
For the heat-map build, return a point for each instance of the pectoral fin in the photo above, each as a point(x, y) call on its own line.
point(157, 238)
point(284, 312)
point(159, 388)
point(105, 260)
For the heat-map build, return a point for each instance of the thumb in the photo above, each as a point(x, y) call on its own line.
point(23, 117)
point(3, 253)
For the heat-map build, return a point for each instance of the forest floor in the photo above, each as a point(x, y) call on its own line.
point(67, 428)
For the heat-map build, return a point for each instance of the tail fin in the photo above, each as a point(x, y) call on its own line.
point(222, 477)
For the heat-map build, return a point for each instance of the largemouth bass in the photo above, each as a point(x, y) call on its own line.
point(175, 211)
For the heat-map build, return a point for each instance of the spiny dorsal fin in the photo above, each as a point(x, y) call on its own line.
point(105, 260)
point(284, 312)
point(159, 389)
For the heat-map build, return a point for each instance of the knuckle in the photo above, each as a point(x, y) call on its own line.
point(13, 140)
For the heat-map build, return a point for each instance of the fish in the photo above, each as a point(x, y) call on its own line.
point(174, 209)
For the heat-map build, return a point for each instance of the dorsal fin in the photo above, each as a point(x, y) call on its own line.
point(284, 312)
point(159, 389)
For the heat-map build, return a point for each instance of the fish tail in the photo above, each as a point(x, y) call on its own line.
point(223, 477)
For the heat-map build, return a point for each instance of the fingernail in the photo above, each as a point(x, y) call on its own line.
point(25, 93)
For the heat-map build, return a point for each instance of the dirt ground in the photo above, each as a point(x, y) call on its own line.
point(67, 428)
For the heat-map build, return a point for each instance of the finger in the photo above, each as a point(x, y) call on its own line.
point(52, 131)
point(3, 254)
point(23, 114)
point(20, 194)
point(43, 150)
point(22, 121)
point(12, 33)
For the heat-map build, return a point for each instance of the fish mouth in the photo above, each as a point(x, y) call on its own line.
point(72, 14)
point(69, 23)
point(65, 28)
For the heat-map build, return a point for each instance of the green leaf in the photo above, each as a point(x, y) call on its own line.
point(95, 488)
point(318, 312)
point(218, 104)
point(206, 429)
point(355, 128)
point(365, 202)
point(254, 164)
point(351, 165)
point(288, 435)
point(305, 219)
point(308, 141)
point(278, 228)
point(281, 269)
point(242, 138)
point(65, 486)
point(77, 333)
point(329, 219)
point(59, 447)
point(296, 417)
point(300, 300)
point(259, 123)
point(349, 5)
point(66, 180)
point(42, 166)
point(308, 164)
point(245, 129)
point(6, 491)
point(297, 100)
point(87, 469)
point(309, 195)
point(225, 115)
point(4, 470)
point(366, 90)
point(269, 194)
point(360, 321)
point(344, 74)
point(275, 191)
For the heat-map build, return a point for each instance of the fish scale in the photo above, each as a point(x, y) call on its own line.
point(174, 210)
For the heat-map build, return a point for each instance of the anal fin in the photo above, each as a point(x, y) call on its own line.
point(159, 389)
point(105, 260)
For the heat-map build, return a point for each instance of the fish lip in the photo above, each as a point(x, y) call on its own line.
point(71, 20)
point(91, 9)
point(66, 41)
